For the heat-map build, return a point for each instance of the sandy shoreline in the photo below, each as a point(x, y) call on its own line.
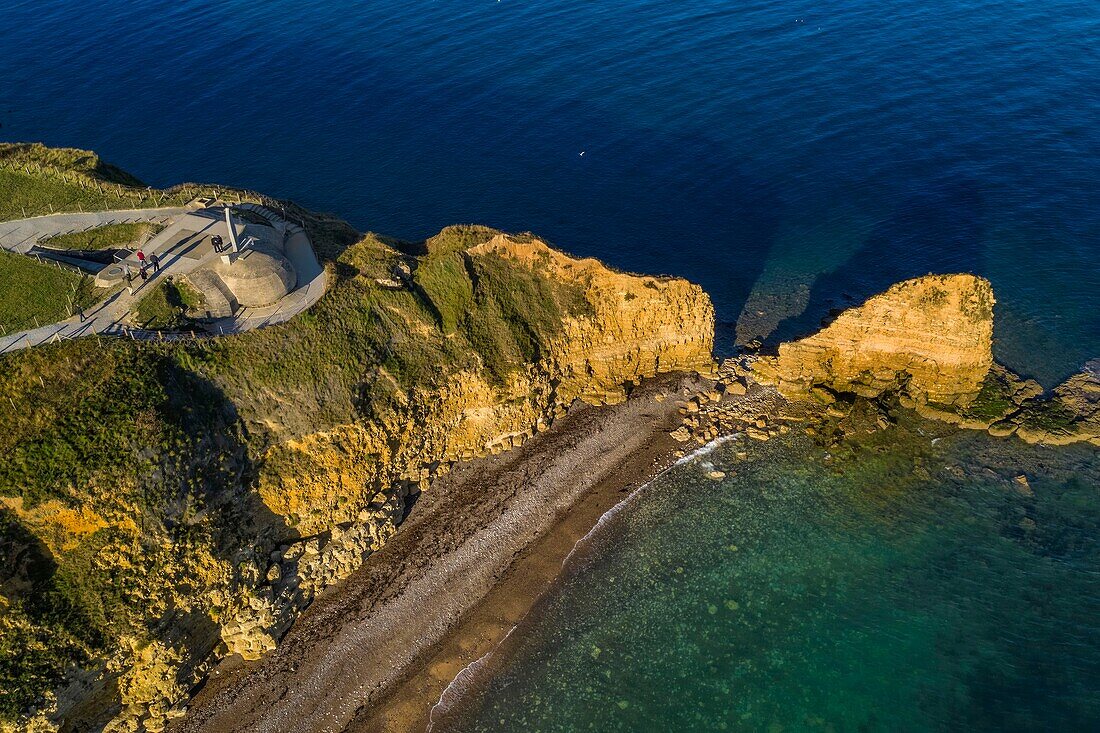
point(478, 550)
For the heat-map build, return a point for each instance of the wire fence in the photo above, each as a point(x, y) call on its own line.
point(269, 208)
point(95, 194)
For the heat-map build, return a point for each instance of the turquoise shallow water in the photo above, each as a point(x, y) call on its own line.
point(903, 587)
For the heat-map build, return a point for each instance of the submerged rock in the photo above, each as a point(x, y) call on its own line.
point(1071, 415)
point(1023, 486)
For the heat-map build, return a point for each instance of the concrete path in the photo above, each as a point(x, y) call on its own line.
point(22, 234)
point(108, 318)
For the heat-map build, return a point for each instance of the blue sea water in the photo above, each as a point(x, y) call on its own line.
point(789, 156)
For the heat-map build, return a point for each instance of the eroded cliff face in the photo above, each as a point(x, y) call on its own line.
point(636, 327)
point(929, 338)
point(231, 480)
point(353, 478)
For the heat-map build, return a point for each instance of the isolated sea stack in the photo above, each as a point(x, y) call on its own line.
point(930, 339)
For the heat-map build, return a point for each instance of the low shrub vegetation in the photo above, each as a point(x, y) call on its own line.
point(112, 236)
point(34, 294)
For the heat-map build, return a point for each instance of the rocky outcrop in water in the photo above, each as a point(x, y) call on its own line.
point(1071, 415)
point(929, 339)
point(1009, 404)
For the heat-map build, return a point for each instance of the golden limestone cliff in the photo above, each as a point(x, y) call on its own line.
point(227, 481)
point(929, 338)
point(347, 484)
point(636, 327)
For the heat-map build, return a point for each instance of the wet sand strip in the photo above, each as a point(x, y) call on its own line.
point(375, 652)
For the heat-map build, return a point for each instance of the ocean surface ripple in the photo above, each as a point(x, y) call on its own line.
point(790, 157)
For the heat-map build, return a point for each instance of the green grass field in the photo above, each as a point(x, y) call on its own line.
point(33, 294)
point(166, 306)
point(112, 236)
point(35, 181)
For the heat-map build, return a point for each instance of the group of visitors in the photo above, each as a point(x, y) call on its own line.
point(146, 263)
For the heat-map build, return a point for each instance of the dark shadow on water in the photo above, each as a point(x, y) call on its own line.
point(937, 230)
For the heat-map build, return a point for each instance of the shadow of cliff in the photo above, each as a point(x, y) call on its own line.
point(222, 472)
point(198, 494)
point(30, 581)
point(934, 231)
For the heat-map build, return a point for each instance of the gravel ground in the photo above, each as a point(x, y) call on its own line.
point(480, 546)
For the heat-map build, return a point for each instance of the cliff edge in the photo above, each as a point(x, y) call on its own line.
point(929, 338)
point(167, 505)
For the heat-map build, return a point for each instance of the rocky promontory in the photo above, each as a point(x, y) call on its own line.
point(164, 506)
point(927, 343)
point(929, 339)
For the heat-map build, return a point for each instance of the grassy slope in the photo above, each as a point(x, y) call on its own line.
point(129, 463)
point(30, 290)
point(167, 304)
point(36, 180)
point(112, 236)
point(501, 311)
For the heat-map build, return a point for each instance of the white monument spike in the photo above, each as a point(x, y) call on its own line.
point(232, 232)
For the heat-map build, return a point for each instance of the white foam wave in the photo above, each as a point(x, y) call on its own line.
point(463, 680)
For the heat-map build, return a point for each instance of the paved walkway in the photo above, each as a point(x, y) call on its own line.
point(109, 317)
point(22, 234)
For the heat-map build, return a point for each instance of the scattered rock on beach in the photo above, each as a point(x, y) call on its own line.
point(756, 433)
point(1022, 486)
point(681, 434)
